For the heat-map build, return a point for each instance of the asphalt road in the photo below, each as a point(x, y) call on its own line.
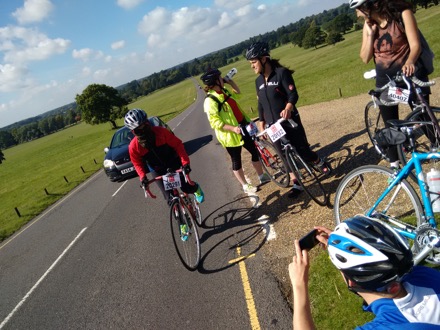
point(103, 257)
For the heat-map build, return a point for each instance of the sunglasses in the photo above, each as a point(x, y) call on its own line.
point(139, 130)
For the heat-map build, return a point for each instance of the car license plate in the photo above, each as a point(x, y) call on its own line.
point(127, 170)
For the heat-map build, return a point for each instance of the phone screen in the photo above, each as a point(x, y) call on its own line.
point(309, 241)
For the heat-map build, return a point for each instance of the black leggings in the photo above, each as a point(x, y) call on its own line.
point(388, 113)
point(235, 152)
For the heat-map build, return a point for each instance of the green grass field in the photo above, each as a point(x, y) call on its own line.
point(320, 74)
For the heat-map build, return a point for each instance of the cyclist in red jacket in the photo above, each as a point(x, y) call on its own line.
point(159, 149)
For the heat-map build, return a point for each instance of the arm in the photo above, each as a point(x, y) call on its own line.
point(234, 86)
point(136, 158)
point(215, 120)
point(412, 34)
point(288, 84)
point(368, 34)
point(261, 122)
point(299, 276)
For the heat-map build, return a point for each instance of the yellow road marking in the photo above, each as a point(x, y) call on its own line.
point(252, 311)
point(233, 261)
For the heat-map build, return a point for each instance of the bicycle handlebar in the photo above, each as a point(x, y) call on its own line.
point(375, 93)
point(147, 190)
point(291, 121)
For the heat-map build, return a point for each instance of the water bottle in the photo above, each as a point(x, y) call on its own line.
point(433, 180)
point(230, 74)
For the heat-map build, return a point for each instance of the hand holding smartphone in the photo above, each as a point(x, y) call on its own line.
point(309, 241)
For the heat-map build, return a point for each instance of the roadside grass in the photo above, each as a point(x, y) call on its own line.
point(32, 167)
point(333, 306)
point(321, 74)
point(169, 102)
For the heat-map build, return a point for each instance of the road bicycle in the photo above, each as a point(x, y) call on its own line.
point(384, 194)
point(185, 215)
point(273, 164)
point(307, 174)
point(425, 138)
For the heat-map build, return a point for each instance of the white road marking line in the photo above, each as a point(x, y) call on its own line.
point(119, 188)
point(265, 221)
point(6, 320)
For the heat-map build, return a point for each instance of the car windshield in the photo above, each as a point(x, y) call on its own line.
point(121, 138)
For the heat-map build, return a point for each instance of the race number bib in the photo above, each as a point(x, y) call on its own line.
point(275, 132)
point(171, 181)
point(252, 128)
point(398, 94)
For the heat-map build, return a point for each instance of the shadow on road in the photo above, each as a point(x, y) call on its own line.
point(193, 145)
point(232, 232)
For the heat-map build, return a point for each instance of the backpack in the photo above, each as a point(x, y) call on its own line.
point(220, 104)
point(426, 57)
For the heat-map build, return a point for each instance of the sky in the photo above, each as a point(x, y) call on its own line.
point(51, 50)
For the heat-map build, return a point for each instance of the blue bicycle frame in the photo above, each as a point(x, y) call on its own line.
point(428, 214)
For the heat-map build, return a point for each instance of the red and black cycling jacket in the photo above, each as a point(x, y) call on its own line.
point(274, 94)
point(168, 152)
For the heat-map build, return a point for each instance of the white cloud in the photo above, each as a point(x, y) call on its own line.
point(128, 4)
point(232, 4)
point(33, 11)
point(22, 45)
point(87, 54)
point(118, 44)
point(155, 18)
point(13, 78)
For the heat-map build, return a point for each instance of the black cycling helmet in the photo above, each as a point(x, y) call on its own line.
point(135, 118)
point(211, 77)
point(369, 252)
point(257, 49)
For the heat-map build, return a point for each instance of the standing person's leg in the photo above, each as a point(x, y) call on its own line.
point(388, 113)
point(255, 158)
point(237, 169)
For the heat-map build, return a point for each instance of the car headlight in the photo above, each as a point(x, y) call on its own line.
point(108, 163)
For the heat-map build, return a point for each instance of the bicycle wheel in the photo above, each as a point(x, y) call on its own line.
point(185, 235)
point(424, 139)
point(374, 123)
point(307, 177)
point(361, 188)
point(194, 206)
point(273, 164)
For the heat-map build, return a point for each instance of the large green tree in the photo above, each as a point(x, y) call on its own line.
point(100, 103)
point(314, 36)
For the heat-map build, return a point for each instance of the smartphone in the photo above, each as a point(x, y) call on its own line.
point(309, 241)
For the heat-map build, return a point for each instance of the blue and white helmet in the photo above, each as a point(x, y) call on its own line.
point(135, 118)
point(369, 252)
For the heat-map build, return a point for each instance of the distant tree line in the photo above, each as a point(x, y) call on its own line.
point(326, 28)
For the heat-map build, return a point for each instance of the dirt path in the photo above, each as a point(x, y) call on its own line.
point(337, 131)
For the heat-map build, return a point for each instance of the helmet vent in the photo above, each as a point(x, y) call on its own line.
point(340, 258)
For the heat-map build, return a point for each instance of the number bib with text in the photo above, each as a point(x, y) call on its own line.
point(398, 94)
point(171, 181)
point(275, 132)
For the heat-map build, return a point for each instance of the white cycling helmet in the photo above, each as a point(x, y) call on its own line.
point(135, 118)
point(356, 3)
point(369, 252)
